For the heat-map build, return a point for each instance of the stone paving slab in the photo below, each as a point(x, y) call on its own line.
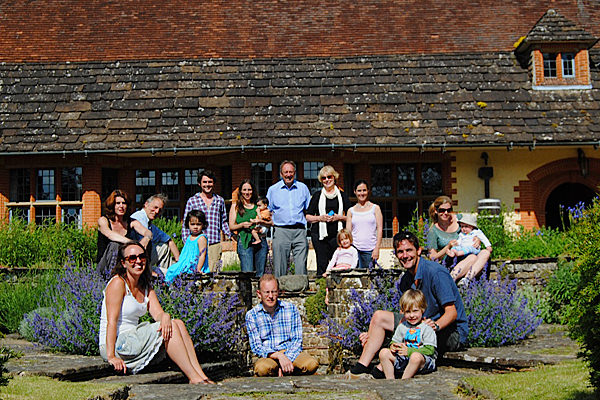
point(438, 385)
point(540, 348)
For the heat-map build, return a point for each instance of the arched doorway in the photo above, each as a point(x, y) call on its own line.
point(568, 195)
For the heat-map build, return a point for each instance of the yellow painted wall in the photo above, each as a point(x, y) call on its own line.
point(509, 168)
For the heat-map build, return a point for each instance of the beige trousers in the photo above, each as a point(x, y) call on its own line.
point(304, 364)
point(214, 255)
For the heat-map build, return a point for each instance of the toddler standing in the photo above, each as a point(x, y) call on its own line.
point(193, 257)
point(414, 343)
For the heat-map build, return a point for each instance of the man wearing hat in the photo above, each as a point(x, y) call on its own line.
point(468, 232)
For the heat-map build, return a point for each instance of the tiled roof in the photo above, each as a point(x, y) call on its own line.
point(444, 100)
point(99, 30)
point(553, 27)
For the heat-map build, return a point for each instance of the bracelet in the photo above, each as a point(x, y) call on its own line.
point(437, 327)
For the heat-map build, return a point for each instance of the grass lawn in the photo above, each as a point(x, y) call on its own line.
point(565, 381)
point(41, 387)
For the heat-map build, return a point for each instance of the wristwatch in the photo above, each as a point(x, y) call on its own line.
point(436, 327)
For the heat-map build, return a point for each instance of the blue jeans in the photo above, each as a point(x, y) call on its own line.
point(254, 258)
point(364, 258)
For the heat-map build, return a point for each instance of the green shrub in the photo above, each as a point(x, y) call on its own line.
point(315, 304)
point(560, 290)
point(21, 295)
point(25, 245)
point(171, 227)
point(584, 312)
point(5, 354)
point(493, 227)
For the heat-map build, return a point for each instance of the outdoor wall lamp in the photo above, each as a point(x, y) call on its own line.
point(583, 162)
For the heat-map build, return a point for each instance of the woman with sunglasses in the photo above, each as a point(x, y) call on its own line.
point(443, 235)
point(444, 230)
point(124, 343)
point(327, 214)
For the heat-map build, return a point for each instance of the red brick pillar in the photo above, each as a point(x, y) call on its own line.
point(4, 189)
point(92, 189)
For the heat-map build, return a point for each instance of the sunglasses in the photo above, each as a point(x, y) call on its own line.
point(327, 177)
point(132, 258)
point(444, 210)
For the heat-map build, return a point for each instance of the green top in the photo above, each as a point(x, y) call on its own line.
point(438, 239)
point(245, 233)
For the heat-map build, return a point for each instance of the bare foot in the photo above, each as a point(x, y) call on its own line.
point(204, 381)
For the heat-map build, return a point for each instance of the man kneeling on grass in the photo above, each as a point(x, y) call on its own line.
point(413, 347)
point(275, 332)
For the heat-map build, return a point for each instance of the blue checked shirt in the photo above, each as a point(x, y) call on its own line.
point(216, 217)
point(269, 334)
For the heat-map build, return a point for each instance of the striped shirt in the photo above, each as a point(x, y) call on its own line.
point(216, 217)
point(282, 331)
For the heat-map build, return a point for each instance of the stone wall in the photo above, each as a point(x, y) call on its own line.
point(533, 272)
point(315, 340)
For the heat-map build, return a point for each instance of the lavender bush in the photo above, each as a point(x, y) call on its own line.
point(72, 323)
point(498, 313)
point(210, 316)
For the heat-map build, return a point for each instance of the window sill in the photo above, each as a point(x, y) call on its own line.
point(561, 87)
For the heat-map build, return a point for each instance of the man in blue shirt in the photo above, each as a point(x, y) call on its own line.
point(275, 333)
point(445, 312)
point(288, 201)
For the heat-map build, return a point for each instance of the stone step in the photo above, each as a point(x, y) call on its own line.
point(37, 360)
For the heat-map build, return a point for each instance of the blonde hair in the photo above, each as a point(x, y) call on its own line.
point(267, 278)
point(434, 206)
point(413, 298)
point(343, 233)
point(328, 170)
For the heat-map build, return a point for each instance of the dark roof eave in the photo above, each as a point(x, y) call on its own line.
point(416, 146)
point(525, 46)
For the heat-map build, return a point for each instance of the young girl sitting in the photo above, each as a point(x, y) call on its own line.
point(346, 256)
point(193, 257)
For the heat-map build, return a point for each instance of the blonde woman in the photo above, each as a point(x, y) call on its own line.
point(327, 214)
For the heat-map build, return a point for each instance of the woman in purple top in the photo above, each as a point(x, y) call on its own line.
point(366, 224)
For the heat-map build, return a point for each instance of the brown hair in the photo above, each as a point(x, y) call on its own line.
point(434, 206)
point(413, 298)
point(267, 278)
point(239, 206)
point(111, 201)
point(145, 281)
point(343, 233)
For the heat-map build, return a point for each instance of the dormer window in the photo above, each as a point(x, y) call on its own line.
point(556, 50)
point(555, 70)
